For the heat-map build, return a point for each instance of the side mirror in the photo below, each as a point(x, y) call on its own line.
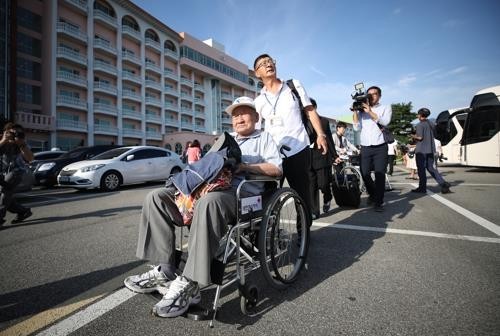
point(130, 157)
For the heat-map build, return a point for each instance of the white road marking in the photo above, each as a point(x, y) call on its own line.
point(407, 232)
point(92, 312)
point(464, 212)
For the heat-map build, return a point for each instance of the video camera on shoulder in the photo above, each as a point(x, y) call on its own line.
point(359, 96)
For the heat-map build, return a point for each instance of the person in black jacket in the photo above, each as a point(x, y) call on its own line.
point(321, 169)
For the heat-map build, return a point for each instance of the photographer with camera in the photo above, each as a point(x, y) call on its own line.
point(424, 153)
point(14, 154)
point(368, 114)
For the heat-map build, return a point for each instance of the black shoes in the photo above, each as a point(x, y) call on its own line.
point(22, 216)
point(378, 208)
point(445, 188)
point(418, 190)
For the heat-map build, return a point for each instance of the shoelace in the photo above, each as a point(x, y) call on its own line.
point(176, 288)
point(149, 274)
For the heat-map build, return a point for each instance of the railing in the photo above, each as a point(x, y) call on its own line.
point(186, 109)
point(74, 124)
point(171, 54)
point(187, 124)
point(71, 77)
point(153, 66)
point(199, 101)
point(199, 87)
point(170, 74)
point(132, 132)
point(103, 86)
point(152, 100)
point(153, 84)
point(171, 91)
point(131, 31)
point(64, 27)
point(131, 113)
point(153, 135)
point(105, 45)
point(131, 94)
point(106, 129)
point(186, 81)
point(98, 14)
point(131, 76)
point(128, 56)
point(171, 121)
point(71, 101)
point(71, 55)
point(152, 43)
point(171, 106)
point(153, 117)
point(35, 121)
point(81, 4)
point(106, 67)
point(107, 108)
point(186, 96)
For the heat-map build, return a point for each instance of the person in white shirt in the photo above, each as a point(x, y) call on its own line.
point(392, 151)
point(373, 147)
point(280, 109)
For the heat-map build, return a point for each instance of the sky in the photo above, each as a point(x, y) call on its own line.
point(435, 54)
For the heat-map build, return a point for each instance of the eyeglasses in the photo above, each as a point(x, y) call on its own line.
point(265, 62)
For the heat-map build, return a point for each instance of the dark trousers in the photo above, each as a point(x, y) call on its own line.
point(321, 180)
point(374, 158)
point(426, 161)
point(390, 163)
point(8, 184)
point(297, 171)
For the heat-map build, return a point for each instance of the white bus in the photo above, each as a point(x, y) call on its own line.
point(480, 141)
point(450, 128)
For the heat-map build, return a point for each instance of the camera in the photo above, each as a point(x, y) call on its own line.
point(359, 96)
point(441, 157)
point(17, 134)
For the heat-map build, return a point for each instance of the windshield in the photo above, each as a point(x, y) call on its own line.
point(111, 154)
point(74, 153)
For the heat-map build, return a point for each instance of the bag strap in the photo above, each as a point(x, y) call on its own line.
point(295, 93)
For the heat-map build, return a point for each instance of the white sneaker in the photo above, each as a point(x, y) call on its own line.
point(148, 282)
point(180, 295)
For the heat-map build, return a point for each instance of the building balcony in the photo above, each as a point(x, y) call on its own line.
point(131, 57)
point(149, 42)
point(71, 55)
point(151, 117)
point(105, 67)
point(132, 132)
point(71, 31)
point(128, 94)
point(153, 84)
point(153, 101)
point(131, 32)
point(71, 78)
point(200, 128)
point(72, 102)
point(186, 81)
point(105, 129)
point(153, 67)
point(199, 87)
point(131, 114)
point(106, 19)
point(199, 114)
point(152, 135)
point(186, 96)
point(105, 88)
point(199, 101)
point(35, 121)
point(80, 5)
point(104, 46)
point(226, 120)
point(171, 54)
point(170, 121)
point(171, 91)
point(170, 74)
point(226, 96)
point(171, 106)
point(131, 77)
point(187, 110)
point(105, 109)
point(71, 125)
point(187, 124)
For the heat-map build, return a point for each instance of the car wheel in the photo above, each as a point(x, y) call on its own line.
point(110, 181)
point(175, 170)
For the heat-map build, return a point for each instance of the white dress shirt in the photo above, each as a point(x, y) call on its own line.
point(371, 135)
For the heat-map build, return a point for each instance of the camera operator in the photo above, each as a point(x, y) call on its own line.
point(373, 147)
point(14, 154)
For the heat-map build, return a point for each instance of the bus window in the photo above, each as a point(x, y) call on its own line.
point(482, 125)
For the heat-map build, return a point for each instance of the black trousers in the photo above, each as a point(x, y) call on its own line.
point(374, 158)
point(390, 164)
point(321, 180)
point(297, 171)
point(8, 183)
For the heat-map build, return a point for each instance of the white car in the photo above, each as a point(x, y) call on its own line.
point(119, 166)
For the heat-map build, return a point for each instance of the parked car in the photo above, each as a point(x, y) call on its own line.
point(26, 183)
point(120, 166)
point(46, 171)
point(45, 155)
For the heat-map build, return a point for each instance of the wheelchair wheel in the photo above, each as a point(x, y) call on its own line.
point(357, 172)
point(283, 238)
point(249, 296)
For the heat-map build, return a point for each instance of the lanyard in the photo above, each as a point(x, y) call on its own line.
point(276, 102)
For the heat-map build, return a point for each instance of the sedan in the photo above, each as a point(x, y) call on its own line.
point(120, 166)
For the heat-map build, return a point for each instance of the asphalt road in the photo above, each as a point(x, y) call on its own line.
point(428, 265)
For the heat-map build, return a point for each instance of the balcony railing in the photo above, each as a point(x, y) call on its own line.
point(171, 91)
point(80, 4)
point(108, 129)
point(199, 87)
point(72, 78)
point(105, 18)
point(186, 124)
point(200, 128)
point(71, 30)
point(105, 108)
point(186, 110)
point(152, 66)
point(104, 45)
point(153, 101)
point(153, 84)
point(152, 43)
point(199, 101)
point(131, 95)
point(131, 113)
point(71, 124)
point(171, 121)
point(132, 132)
point(105, 87)
point(131, 32)
point(186, 81)
point(171, 106)
point(35, 121)
point(171, 54)
point(106, 67)
point(170, 74)
point(71, 55)
point(130, 76)
point(153, 117)
point(186, 96)
point(128, 56)
point(153, 135)
point(71, 102)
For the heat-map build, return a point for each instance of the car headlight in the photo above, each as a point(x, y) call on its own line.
point(91, 168)
point(46, 166)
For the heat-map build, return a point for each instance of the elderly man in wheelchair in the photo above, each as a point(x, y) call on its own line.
point(214, 216)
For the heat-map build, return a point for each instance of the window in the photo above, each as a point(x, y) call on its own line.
point(178, 149)
point(129, 22)
point(28, 69)
point(29, 94)
point(100, 6)
point(28, 19)
point(170, 46)
point(148, 154)
point(29, 45)
point(70, 94)
point(67, 116)
point(482, 125)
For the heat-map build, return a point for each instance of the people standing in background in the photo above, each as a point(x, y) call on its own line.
point(410, 161)
point(392, 152)
point(184, 153)
point(193, 152)
point(343, 146)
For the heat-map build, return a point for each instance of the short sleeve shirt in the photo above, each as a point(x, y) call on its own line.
point(425, 130)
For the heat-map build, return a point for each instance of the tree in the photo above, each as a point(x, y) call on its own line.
point(402, 117)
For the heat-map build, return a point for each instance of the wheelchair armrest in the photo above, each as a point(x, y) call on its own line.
point(265, 178)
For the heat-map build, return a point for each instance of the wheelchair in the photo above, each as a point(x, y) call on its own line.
point(271, 232)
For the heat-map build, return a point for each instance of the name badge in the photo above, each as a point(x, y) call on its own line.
point(276, 121)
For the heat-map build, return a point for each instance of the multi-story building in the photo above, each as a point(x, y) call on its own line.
point(105, 71)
